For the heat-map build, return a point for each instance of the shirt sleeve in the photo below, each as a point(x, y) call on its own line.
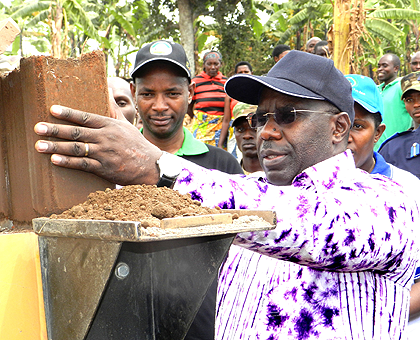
point(349, 227)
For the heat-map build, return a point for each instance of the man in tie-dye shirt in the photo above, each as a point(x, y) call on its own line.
point(343, 249)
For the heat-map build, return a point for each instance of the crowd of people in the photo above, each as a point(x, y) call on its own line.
point(334, 155)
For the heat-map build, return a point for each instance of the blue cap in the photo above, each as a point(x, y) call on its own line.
point(366, 93)
point(298, 74)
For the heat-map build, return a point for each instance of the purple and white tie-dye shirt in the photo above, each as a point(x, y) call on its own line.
point(341, 260)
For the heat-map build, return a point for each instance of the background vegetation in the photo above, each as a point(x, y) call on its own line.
point(240, 30)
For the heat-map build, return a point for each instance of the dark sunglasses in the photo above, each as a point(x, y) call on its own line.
point(284, 117)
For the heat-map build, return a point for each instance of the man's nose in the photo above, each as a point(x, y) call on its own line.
point(160, 103)
point(271, 130)
point(249, 134)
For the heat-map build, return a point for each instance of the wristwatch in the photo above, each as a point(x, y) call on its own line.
point(169, 169)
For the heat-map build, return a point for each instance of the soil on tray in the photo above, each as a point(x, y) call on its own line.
point(146, 203)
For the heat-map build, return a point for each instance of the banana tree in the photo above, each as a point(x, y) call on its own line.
point(57, 15)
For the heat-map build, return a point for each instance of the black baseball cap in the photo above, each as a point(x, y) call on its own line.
point(298, 74)
point(162, 50)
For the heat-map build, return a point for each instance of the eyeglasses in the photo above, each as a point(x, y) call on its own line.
point(284, 117)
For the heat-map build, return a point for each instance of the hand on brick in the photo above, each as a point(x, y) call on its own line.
point(116, 150)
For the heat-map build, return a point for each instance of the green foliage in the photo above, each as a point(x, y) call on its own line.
point(235, 29)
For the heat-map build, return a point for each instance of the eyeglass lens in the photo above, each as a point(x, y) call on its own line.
point(283, 116)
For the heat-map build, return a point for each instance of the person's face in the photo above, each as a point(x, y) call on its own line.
point(162, 96)
point(311, 45)
point(243, 69)
point(246, 138)
point(386, 69)
point(286, 150)
point(363, 137)
point(415, 62)
point(212, 66)
point(281, 55)
point(123, 98)
point(412, 105)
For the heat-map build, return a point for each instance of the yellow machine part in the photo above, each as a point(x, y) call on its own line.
point(22, 315)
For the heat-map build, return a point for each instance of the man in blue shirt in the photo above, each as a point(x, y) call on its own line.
point(403, 149)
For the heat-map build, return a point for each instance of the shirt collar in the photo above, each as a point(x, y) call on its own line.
point(191, 146)
point(381, 167)
point(326, 173)
point(383, 86)
point(206, 76)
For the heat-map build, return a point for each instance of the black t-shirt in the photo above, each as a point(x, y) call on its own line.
point(202, 328)
point(217, 159)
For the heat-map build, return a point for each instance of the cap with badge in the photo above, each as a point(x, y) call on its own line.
point(162, 50)
point(366, 93)
point(242, 110)
point(410, 82)
point(298, 74)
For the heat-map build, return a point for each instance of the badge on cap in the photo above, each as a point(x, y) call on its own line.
point(161, 48)
point(415, 150)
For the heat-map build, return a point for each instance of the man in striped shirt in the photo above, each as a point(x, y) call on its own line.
point(344, 242)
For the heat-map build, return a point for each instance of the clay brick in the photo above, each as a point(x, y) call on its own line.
point(31, 185)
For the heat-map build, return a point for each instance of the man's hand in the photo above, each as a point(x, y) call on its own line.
point(110, 148)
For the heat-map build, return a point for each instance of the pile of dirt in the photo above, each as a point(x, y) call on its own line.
point(136, 203)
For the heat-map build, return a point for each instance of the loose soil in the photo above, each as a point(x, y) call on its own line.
point(146, 203)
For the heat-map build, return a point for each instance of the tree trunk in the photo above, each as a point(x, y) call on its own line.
point(186, 30)
point(341, 50)
point(57, 17)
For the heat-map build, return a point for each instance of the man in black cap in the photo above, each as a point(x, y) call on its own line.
point(344, 239)
point(403, 148)
point(163, 89)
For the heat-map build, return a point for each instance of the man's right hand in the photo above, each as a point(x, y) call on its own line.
point(110, 148)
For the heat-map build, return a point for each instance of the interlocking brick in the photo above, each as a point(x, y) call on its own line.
point(31, 186)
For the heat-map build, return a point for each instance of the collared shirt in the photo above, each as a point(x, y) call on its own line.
point(395, 116)
point(401, 151)
point(344, 247)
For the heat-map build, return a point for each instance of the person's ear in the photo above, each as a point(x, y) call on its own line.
point(378, 133)
point(191, 89)
point(341, 127)
point(133, 90)
point(133, 94)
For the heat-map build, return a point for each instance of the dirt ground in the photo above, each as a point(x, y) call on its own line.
point(136, 203)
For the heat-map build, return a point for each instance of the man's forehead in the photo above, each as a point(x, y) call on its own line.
point(119, 86)
point(386, 59)
point(416, 57)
